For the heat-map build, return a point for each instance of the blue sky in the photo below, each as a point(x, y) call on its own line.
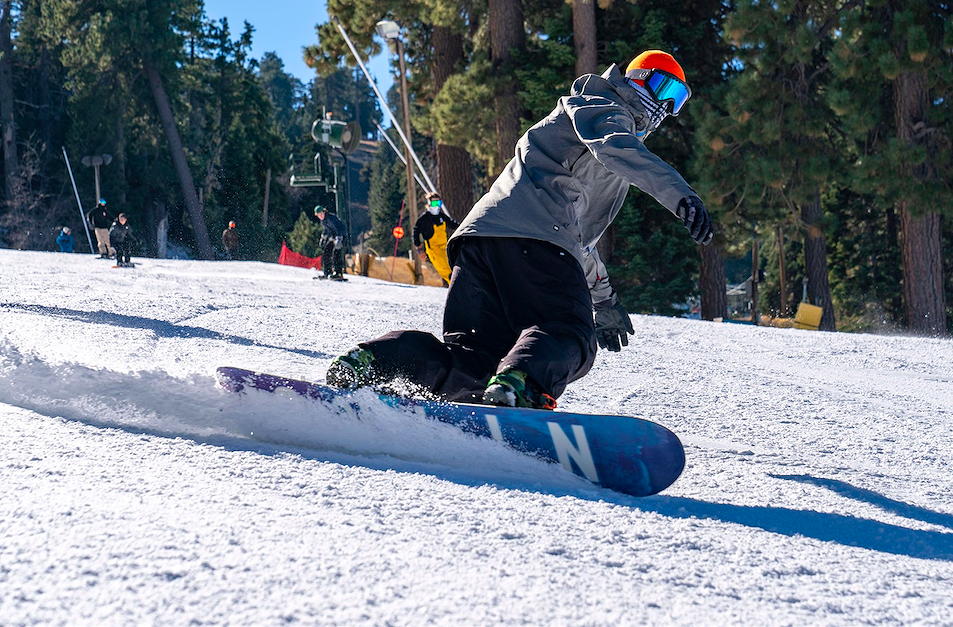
point(285, 27)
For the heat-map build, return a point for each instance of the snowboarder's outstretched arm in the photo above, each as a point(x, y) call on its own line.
point(608, 131)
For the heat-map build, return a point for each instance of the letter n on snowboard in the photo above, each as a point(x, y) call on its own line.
point(579, 453)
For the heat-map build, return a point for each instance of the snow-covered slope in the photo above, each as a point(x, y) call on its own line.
point(818, 487)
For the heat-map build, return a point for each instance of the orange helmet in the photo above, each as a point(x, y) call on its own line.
point(656, 60)
point(662, 76)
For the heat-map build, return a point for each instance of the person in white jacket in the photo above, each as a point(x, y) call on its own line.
point(529, 298)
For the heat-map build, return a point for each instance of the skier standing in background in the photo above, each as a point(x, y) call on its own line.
point(331, 243)
point(122, 240)
point(101, 221)
point(230, 241)
point(529, 297)
point(65, 240)
point(431, 232)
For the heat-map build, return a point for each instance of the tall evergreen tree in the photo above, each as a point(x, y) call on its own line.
point(895, 64)
point(133, 37)
point(507, 42)
point(779, 130)
point(11, 165)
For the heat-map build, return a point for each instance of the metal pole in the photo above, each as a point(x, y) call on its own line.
point(399, 154)
point(411, 189)
point(99, 193)
point(383, 101)
point(755, 271)
point(79, 205)
point(347, 199)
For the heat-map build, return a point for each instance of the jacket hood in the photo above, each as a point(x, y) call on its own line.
point(620, 85)
point(611, 84)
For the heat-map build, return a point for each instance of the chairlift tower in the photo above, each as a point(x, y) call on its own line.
point(342, 138)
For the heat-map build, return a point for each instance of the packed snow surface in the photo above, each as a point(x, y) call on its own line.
point(818, 487)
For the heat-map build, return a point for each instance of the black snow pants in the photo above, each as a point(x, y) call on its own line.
point(332, 260)
point(513, 303)
point(123, 250)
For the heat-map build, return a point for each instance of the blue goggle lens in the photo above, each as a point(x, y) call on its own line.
point(666, 87)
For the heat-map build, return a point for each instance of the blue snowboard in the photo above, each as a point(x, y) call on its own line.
point(625, 454)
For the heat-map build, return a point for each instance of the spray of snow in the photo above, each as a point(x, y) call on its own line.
point(194, 407)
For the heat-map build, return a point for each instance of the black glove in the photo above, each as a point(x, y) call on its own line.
point(691, 211)
point(612, 325)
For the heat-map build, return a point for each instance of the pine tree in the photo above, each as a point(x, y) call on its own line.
point(11, 165)
point(894, 61)
point(770, 155)
point(305, 237)
point(385, 201)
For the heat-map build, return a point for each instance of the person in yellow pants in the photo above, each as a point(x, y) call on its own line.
point(431, 231)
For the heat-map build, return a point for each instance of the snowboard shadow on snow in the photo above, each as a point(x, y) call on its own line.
point(843, 529)
point(824, 526)
point(879, 500)
point(161, 328)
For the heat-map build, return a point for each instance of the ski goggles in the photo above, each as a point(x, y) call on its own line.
point(436, 203)
point(664, 87)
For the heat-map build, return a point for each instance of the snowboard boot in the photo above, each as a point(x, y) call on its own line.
point(511, 389)
point(352, 370)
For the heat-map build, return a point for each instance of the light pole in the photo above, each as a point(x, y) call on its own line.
point(390, 31)
point(96, 161)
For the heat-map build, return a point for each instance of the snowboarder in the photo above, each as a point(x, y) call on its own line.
point(230, 241)
point(101, 220)
point(331, 243)
point(65, 240)
point(431, 232)
point(123, 240)
point(529, 297)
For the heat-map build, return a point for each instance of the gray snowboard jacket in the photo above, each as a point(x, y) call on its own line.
point(571, 173)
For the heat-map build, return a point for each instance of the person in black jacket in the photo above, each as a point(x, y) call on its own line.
point(100, 219)
point(431, 231)
point(332, 243)
point(122, 239)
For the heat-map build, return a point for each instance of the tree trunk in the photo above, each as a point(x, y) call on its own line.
point(454, 168)
point(264, 205)
point(584, 40)
point(45, 113)
point(584, 35)
point(815, 262)
point(923, 297)
point(177, 153)
point(714, 286)
point(11, 164)
point(507, 38)
point(120, 157)
point(162, 229)
point(920, 228)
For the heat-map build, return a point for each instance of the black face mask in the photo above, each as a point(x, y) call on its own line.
point(655, 113)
